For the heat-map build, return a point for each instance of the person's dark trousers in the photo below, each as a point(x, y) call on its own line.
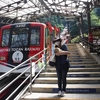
point(61, 74)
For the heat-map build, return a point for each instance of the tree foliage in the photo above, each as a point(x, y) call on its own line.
point(97, 11)
point(61, 22)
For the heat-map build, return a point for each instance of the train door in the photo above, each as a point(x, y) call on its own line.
point(35, 41)
point(37, 38)
point(19, 41)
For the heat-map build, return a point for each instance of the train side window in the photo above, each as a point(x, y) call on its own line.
point(35, 36)
point(5, 37)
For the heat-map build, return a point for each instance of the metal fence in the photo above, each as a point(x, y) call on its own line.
point(29, 76)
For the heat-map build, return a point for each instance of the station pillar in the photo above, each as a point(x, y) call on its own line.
point(90, 36)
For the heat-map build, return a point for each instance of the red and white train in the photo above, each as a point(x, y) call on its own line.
point(20, 41)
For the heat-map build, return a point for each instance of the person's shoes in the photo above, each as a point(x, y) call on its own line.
point(59, 93)
point(62, 93)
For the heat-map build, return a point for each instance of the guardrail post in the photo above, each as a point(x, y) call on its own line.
point(30, 76)
point(45, 58)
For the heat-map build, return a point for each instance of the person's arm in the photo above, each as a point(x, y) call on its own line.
point(64, 52)
point(59, 52)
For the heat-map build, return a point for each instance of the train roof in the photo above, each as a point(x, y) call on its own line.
point(37, 23)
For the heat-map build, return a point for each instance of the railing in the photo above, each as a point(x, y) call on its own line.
point(32, 64)
point(95, 47)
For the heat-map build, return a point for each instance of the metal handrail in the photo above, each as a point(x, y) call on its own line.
point(13, 81)
point(95, 47)
point(7, 73)
point(89, 43)
point(30, 75)
point(25, 89)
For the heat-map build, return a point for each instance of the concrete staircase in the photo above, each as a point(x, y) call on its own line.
point(83, 79)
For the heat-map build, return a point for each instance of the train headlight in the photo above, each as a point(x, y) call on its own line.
point(2, 58)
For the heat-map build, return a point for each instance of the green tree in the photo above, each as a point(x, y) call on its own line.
point(95, 18)
point(97, 11)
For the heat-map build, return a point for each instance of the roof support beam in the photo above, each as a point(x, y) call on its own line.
point(42, 2)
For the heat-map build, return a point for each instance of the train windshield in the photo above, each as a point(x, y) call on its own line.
point(5, 37)
point(19, 37)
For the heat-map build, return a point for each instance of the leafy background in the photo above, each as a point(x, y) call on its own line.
point(61, 22)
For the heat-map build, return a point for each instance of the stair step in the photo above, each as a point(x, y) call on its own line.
point(81, 60)
point(84, 66)
point(71, 57)
point(53, 80)
point(71, 88)
point(72, 74)
point(84, 62)
point(83, 79)
point(79, 56)
point(97, 69)
point(81, 65)
point(54, 96)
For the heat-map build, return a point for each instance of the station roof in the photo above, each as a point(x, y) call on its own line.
point(22, 10)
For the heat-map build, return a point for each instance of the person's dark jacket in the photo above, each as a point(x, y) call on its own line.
point(62, 60)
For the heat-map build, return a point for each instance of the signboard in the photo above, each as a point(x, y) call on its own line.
point(76, 90)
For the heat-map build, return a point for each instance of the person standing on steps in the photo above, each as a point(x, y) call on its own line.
point(62, 64)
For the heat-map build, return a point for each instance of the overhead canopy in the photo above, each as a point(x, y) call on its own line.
point(23, 10)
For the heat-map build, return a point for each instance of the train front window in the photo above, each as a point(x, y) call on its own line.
point(35, 36)
point(5, 37)
point(19, 37)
